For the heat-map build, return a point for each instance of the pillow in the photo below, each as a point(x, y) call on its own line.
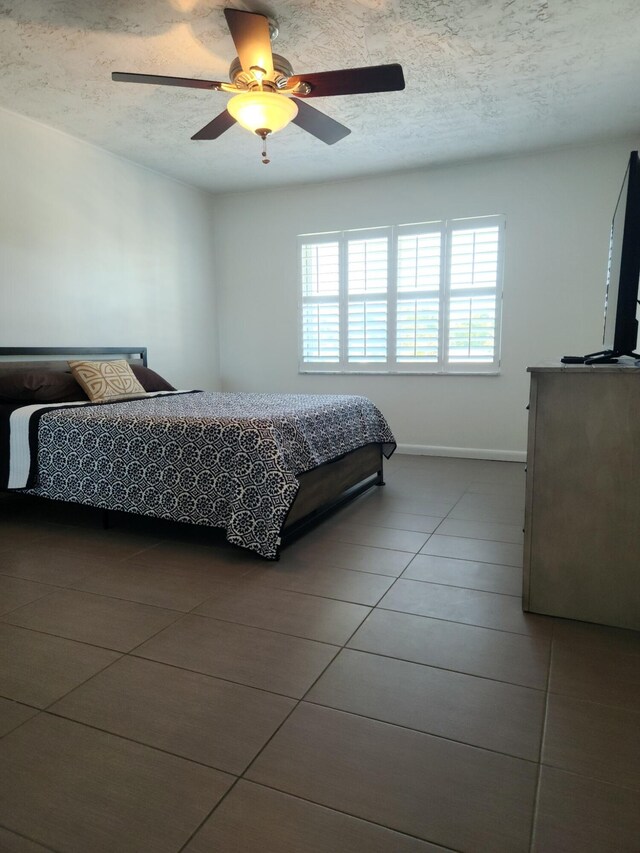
point(150, 380)
point(105, 381)
point(40, 386)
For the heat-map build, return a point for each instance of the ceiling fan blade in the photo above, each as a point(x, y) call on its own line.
point(121, 77)
point(250, 34)
point(349, 81)
point(216, 127)
point(320, 125)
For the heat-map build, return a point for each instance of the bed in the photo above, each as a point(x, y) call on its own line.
point(263, 467)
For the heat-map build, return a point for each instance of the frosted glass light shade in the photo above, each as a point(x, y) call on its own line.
point(257, 110)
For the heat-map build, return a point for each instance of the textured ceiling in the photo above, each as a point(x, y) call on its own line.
point(484, 77)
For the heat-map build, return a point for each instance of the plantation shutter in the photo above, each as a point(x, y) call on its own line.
point(419, 261)
point(367, 288)
point(404, 299)
point(475, 269)
point(320, 273)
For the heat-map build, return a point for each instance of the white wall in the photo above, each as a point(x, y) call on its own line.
point(95, 251)
point(558, 207)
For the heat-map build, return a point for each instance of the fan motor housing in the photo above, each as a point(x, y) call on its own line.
point(282, 70)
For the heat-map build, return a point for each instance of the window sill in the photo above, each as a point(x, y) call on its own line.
point(400, 372)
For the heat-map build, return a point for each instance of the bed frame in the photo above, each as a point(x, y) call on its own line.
point(322, 490)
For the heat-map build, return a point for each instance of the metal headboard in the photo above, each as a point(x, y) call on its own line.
point(12, 358)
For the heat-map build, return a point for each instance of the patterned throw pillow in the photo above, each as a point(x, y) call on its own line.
point(106, 380)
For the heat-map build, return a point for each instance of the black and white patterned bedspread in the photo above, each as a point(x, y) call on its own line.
point(224, 460)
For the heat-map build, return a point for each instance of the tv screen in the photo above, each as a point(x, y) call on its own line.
point(623, 274)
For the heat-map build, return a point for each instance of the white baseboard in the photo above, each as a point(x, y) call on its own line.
point(463, 452)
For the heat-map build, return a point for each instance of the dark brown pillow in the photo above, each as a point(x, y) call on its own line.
point(40, 386)
point(150, 380)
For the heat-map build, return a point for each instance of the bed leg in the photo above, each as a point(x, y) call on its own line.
point(380, 478)
point(105, 519)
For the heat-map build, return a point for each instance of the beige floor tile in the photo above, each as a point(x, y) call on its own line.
point(482, 530)
point(12, 715)
point(597, 674)
point(46, 564)
point(95, 619)
point(293, 613)
point(15, 592)
point(481, 550)
point(477, 711)
point(398, 501)
point(471, 606)
point(514, 492)
point(172, 586)
point(396, 520)
point(593, 740)
point(487, 577)
point(12, 843)
point(465, 469)
point(368, 534)
point(316, 578)
point(197, 717)
point(580, 815)
point(405, 780)
point(96, 542)
point(501, 656)
point(595, 639)
point(226, 562)
point(417, 485)
point(37, 668)
point(496, 509)
point(488, 514)
point(251, 656)
point(78, 789)
point(409, 728)
point(14, 534)
point(255, 819)
point(497, 502)
point(361, 558)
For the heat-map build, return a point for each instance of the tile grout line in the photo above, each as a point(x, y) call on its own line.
point(455, 622)
point(459, 586)
point(536, 793)
point(297, 705)
point(303, 698)
point(348, 814)
point(267, 742)
point(445, 668)
point(44, 846)
point(408, 728)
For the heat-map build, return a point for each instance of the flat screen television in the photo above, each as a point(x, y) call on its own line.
point(623, 272)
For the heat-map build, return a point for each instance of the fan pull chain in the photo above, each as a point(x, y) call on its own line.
point(262, 133)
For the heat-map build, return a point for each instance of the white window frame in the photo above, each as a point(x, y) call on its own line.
point(392, 366)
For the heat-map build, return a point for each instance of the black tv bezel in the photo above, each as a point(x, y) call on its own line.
point(625, 327)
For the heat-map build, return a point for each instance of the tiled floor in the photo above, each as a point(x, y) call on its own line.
point(378, 690)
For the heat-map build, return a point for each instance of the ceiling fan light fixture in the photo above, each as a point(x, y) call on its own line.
point(262, 111)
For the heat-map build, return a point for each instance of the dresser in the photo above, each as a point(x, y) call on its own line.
point(582, 511)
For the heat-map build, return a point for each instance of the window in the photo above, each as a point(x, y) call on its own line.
point(403, 299)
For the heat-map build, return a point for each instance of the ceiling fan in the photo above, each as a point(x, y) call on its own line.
point(264, 86)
